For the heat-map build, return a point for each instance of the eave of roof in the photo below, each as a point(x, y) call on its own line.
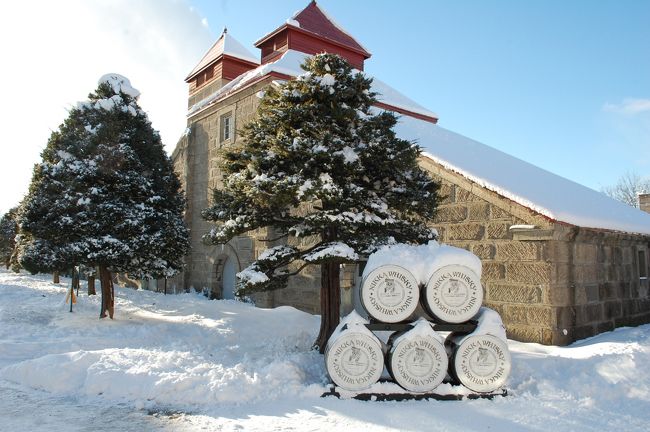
point(289, 65)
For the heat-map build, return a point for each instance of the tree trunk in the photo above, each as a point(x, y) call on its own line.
point(91, 286)
point(330, 303)
point(55, 277)
point(8, 262)
point(106, 282)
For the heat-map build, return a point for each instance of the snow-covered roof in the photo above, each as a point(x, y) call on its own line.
point(315, 19)
point(553, 196)
point(225, 45)
point(289, 64)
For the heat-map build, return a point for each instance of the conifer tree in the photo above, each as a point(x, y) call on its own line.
point(320, 163)
point(8, 231)
point(105, 195)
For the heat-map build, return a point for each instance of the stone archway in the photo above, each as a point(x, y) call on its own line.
point(226, 267)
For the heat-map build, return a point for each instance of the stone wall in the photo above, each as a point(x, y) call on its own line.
point(518, 272)
point(609, 291)
point(196, 160)
point(552, 283)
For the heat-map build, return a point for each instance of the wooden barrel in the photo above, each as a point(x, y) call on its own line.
point(481, 363)
point(390, 294)
point(453, 294)
point(354, 358)
point(417, 362)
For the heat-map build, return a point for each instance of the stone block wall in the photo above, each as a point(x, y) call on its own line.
point(517, 270)
point(196, 160)
point(608, 289)
point(552, 283)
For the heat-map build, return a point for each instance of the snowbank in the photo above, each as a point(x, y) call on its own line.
point(224, 365)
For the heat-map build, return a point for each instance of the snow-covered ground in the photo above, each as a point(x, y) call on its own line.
point(186, 363)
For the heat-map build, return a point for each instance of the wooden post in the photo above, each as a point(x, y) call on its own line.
point(76, 279)
point(165, 285)
point(55, 277)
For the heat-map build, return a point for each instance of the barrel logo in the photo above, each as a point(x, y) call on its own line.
point(390, 293)
point(482, 363)
point(355, 361)
point(454, 293)
point(419, 364)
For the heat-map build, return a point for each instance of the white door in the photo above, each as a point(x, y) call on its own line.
point(229, 279)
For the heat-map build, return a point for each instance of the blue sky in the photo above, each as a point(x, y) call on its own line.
point(562, 84)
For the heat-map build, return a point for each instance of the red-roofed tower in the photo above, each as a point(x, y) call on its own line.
point(224, 61)
point(312, 31)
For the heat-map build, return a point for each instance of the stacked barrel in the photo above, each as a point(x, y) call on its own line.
point(425, 287)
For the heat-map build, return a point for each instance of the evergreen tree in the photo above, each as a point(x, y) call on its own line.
point(8, 231)
point(319, 162)
point(105, 194)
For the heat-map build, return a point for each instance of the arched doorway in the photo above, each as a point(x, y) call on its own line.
point(229, 279)
point(226, 267)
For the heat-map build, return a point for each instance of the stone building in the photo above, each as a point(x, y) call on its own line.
point(560, 261)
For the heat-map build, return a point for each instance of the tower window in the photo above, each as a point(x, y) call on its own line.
point(226, 127)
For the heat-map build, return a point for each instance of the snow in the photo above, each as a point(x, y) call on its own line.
point(349, 155)
point(289, 64)
point(490, 323)
point(234, 48)
point(521, 227)
point(422, 260)
point(390, 96)
point(250, 275)
point(327, 80)
point(331, 250)
point(227, 45)
point(533, 187)
point(185, 363)
point(421, 328)
point(351, 321)
point(293, 22)
point(119, 84)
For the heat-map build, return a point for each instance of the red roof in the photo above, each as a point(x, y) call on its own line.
point(226, 45)
point(314, 20)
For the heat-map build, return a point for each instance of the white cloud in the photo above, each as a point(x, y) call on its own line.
point(53, 53)
point(629, 106)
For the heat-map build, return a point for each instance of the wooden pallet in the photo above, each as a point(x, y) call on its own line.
point(379, 397)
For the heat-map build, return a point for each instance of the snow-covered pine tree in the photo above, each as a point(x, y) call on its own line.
point(105, 194)
point(8, 231)
point(320, 162)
